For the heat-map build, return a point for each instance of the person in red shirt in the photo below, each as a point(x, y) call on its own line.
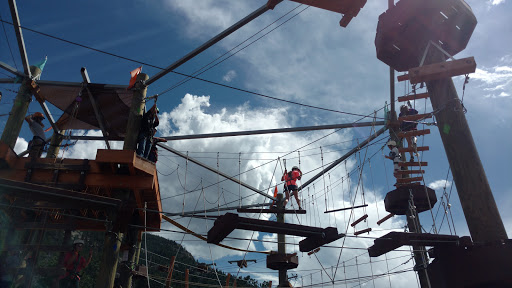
point(290, 184)
point(74, 263)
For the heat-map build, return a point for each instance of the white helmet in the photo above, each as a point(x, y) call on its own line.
point(391, 143)
point(78, 241)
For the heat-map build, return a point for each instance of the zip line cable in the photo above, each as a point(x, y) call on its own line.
point(190, 76)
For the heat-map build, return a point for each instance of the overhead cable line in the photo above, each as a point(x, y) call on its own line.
point(190, 76)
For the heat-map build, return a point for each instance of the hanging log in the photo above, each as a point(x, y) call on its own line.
point(359, 220)
point(347, 208)
point(362, 231)
point(411, 149)
point(413, 97)
point(389, 216)
point(314, 251)
point(413, 133)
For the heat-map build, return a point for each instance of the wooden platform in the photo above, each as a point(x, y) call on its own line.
point(440, 70)
point(394, 240)
point(408, 164)
point(84, 185)
point(413, 133)
point(413, 97)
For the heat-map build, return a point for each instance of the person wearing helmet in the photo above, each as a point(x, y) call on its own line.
point(409, 126)
point(395, 156)
point(290, 184)
point(153, 152)
point(148, 126)
point(74, 263)
point(35, 123)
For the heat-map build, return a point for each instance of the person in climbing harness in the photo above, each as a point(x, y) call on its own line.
point(74, 263)
point(35, 123)
point(395, 156)
point(290, 184)
point(405, 126)
point(153, 152)
point(147, 130)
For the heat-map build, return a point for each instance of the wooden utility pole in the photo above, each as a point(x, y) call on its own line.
point(227, 280)
point(482, 215)
point(136, 111)
point(109, 260)
point(281, 241)
point(169, 273)
point(131, 241)
point(186, 278)
point(19, 110)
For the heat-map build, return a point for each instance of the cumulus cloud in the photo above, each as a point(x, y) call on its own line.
point(496, 81)
point(21, 145)
point(229, 76)
point(439, 184)
point(496, 2)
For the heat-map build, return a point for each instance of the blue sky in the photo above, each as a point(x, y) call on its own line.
point(309, 59)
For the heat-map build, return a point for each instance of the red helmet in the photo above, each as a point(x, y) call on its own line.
point(38, 115)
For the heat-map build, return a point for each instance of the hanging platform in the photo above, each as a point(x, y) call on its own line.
point(404, 30)
point(407, 172)
point(440, 70)
point(278, 261)
point(79, 186)
point(413, 133)
point(397, 201)
point(316, 236)
point(349, 8)
point(408, 164)
point(409, 180)
point(413, 97)
point(394, 240)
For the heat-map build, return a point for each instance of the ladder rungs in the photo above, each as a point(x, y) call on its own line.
point(407, 164)
point(407, 172)
point(406, 184)
point(408, 180)
point(413, 97)
point(414, 133)
point(411, 149)
point(415, 117)
point(385, 219)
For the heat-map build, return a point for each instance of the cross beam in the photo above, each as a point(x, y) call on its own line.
point(10, 69)
point(19, 36)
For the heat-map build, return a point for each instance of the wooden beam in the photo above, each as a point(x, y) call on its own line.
point(407, 164)
point(362, 231)
point(440, 70)
point(413, 97)
point(413, 133)
point(394, 240)
point(359, 220)
point(407, 172)
point(19, 37)
point(169, 272)
point(99, 116)
point(347, 208)
point(412, 149)
point(409, 180)
point(271, 211)
point(389, 216)
point(8, 68)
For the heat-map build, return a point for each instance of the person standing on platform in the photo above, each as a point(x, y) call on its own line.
point(147, 130)
point(35, 123)
point(153, 152)
point(290, 184)
point(74, 263)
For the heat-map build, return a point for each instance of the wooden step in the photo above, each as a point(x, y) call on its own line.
point(407, 172)
point(385, 218)
point(411, 149)
point(406, 184)
point(440, 70)
point(413, 97)
point(408, 164)
point(359, 220)
point(408, 180)
point(413, 133)
point(362, 231)
point(415, 117)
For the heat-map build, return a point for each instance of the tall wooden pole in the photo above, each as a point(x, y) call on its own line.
point(109, 260)
point(420, 256)
point(19, 110)
point(281, 242)
point(169, 273)
point(136, 111)
point(186, 278)
point(132, 241)
point(227, 280)
point(482, 215)
point(55, 143)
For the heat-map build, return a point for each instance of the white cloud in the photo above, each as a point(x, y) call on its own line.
point(496, 2)
point(439, 184)
point(21, 145)
point(229, 76)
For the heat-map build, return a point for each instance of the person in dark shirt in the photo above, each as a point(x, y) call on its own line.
point(409, 126)
point(147, 130)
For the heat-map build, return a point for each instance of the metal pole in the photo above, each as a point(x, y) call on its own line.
point(281, 242)
point(354, 150)
point(215, 171)
point(19, 37)
point(251, 132)
point(209, 43)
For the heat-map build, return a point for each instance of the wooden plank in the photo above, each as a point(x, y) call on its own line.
point(389, 216)
point(413, 97)
point(408, 164)
point(246, 210)
point(413, 133)
point(362, 231)
point(409, 180)
point(407, 172)
point(115, 156)
point(411, 149)
point(394, 240)
point(442, 70)
point(415, 117)
point(328, 235)
point(406, 184)
point(359, 220)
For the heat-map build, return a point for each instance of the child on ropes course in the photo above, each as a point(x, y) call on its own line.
point(148, 125)
point(395, 156)
point(290, 184)
point(409, 126)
